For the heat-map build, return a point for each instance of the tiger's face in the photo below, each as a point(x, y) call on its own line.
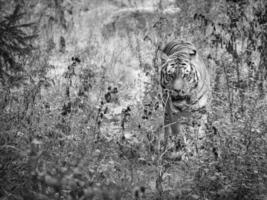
point(178, 80)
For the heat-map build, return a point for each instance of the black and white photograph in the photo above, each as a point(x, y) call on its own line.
point(133, 99)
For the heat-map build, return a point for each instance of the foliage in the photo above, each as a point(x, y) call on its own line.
point(15, 44)
point(86, 121)
point(235, 48)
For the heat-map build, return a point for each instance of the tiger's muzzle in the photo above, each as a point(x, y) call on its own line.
point(180, 101)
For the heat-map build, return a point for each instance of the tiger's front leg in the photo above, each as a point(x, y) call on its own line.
point(200, 132)
point(172, 128)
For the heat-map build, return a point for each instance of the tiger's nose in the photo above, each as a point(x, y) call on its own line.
point(175, 92)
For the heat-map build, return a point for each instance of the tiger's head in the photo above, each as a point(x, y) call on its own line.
point(184, 76)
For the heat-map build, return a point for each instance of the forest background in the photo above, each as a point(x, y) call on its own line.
point(81, 111)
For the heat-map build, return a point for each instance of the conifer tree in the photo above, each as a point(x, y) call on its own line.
point(15, 44)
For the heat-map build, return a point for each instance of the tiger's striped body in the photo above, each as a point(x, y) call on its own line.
point(185, 82)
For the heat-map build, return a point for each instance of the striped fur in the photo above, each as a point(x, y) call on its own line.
point(185, 82)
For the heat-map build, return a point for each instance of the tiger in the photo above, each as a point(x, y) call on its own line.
point(185, 83)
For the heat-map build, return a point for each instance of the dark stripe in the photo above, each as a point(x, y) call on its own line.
point(193, 103)
point(168, 48)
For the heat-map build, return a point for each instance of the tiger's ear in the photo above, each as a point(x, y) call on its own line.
point(192, 52)
point(164, 57)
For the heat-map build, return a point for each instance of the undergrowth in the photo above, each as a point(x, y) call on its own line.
point(95, 131)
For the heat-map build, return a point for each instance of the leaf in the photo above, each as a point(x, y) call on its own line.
point(195, 196)
point(35, 141)
point(49, 180)
point(23, 25)
point(213, 178)
point(30, 37)
point(16, 11)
